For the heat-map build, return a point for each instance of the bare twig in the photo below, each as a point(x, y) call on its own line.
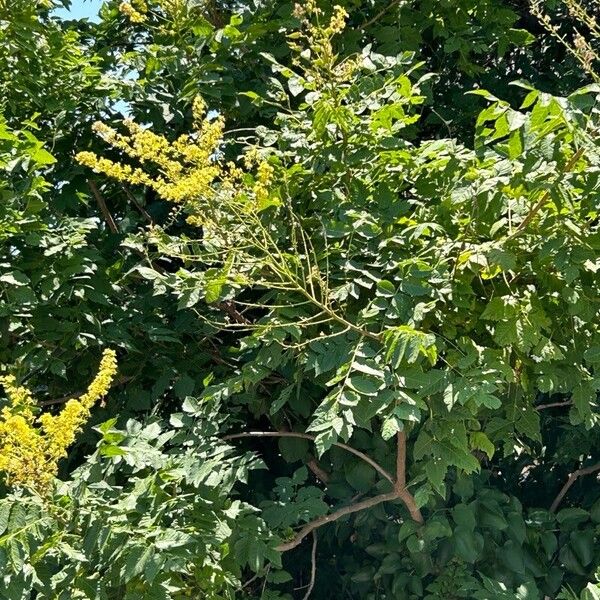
point(313, 567)
point(545, 196)
point(103, 207)
point(570, 481)
point(308, 436)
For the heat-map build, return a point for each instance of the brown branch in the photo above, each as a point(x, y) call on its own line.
point(103, 207)
point(553, 405)
point(379, 15)
point(308, 436)
point(401, 459)
point(570, 481)
point(230, 309)
point(134, 201)
point(313, 567)
point(400, 491)
point(317, 471)
point(545, 196)
point(334, 516)
point(400, 487)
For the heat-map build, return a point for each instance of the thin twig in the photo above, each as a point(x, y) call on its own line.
point(250, 581)
point(379, 14)
point(336, 317)
point(308, 436)
point(570, 481)
point(134, 201)
point(313, 567)
point(103, 207)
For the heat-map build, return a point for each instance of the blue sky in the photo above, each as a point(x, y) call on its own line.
point(81, 9)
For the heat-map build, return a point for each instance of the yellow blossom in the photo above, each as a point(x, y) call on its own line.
point(31, 447)
point(187, 167)
point(264, 179)
point(251, 157)
point(187, 171)
point(131, 13)
point(338, 20)
point(198, 109)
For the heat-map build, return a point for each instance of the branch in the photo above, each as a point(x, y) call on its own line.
point(400, 487)
point(230, 309)
point(313, 569)
point(379, 14)
point(308, 436)
point(334, 516)
point(570, 481)
point(401, 460)
point(400, 491)
point(134, 201)
point(545, 196)
point(103, 207)
point(317, 471)
point(553, 405)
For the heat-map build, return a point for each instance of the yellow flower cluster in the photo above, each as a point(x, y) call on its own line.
point(337, 24)
point(135, 16)
point(187, 171)
point(30, 445)
point(264, 179)
point(186, 168)
point(198, 110)
point(172, 7)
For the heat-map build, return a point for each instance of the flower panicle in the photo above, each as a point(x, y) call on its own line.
point(188, 171)
point(30, 445)
point(129, 11)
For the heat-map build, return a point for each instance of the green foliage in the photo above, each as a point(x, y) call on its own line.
point(429, 288)
point(149, 515)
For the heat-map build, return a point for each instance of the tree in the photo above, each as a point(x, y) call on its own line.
point(402, 323)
